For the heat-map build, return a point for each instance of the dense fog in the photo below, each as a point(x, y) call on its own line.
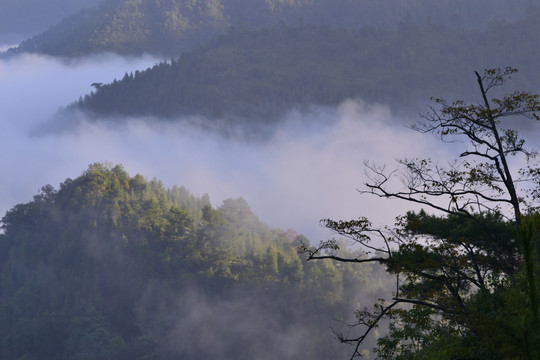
point(309, 169)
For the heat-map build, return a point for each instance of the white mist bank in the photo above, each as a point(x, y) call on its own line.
point(309, 170)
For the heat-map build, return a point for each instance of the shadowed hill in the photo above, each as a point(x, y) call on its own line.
point(258, 75)
point(168, 27)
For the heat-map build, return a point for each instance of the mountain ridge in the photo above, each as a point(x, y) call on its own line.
point(259, 75)
point(169, 27)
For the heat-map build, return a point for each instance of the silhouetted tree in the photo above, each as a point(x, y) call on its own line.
point(454, 272)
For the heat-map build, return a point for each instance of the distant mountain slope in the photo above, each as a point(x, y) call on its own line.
point(258, 74)
point(168, 27)
point(130, 27)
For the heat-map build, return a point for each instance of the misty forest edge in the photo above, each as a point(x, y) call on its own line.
point(111, 266)
point(291, 63)
point(59, 252)
point(458, 275)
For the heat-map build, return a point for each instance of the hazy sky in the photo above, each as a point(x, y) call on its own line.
point(310, 169)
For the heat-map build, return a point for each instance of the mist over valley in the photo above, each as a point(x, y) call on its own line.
point(308, 169)
point(276, 185)
point(165, 162)
point(328, 144)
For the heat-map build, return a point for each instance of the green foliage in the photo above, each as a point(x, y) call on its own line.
point(466, 281)
point(462, 290)
point(111, 266)
point(465, 270)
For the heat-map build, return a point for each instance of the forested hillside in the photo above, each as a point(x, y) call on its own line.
point(118, 267)
point(111, 266)
point(258, 74)
point(168, 27)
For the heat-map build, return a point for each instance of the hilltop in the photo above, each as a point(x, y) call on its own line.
point(113, 266)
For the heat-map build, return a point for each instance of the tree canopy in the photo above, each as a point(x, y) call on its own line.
point(466, 276)
point(112, 266)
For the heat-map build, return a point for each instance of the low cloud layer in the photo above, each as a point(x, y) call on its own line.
point(309, 169)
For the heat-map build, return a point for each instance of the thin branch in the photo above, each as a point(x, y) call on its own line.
point(372, 325)
point(381, 260)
